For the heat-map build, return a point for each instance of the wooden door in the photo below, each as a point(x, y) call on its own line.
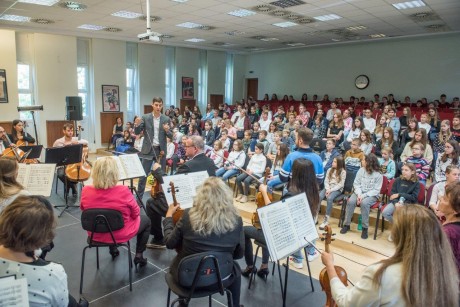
point(252, 88)
point(148, 108)
point(215, 100)
point(187, 102)
point(107, 122)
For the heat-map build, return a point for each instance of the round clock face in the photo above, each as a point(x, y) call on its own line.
point(362, 81)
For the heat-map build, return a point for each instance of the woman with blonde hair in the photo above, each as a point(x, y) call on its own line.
point(421, 272)
point(106, 194)
point(10, 188)
point(212, 224)
point(444, 135)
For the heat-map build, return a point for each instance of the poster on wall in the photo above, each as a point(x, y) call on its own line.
point(3, 87)
point(110, 98)
point(187, 88)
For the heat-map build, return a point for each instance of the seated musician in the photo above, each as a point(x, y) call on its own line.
point(212, 224)
point(4, 143)
point(421, 272)
point(25, 225)
point(10, 188)
point(303, 181)
point(18, 135)
point(68, 139)
point(106, 194)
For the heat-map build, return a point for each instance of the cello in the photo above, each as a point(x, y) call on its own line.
point(323, 276)
point(79, 171)
point(260, 202)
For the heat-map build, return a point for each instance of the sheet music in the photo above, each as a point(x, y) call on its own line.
point(37, 179)
point(129, 166)
point(186, 185)
point(13, 292)
point(285, 224)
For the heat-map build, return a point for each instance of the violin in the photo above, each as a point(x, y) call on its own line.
point(323, 276)
point(260, 202)
point(179, 212)
point(79, 171)
point(156, 186)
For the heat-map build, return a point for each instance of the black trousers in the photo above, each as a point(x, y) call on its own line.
point(143, 234)
point(70, 185)
point(156, 209)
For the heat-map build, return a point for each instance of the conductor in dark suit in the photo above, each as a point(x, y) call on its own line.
point(194, 150)
point(156, 127)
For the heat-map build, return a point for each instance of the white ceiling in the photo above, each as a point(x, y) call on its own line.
point(378, 16)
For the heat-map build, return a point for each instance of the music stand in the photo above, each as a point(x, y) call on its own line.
point(63, 156)
point(32, 152)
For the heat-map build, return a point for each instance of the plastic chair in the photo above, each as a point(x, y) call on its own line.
point(202, 270)
point(103, 221)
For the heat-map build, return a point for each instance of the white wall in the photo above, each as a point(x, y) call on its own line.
point(187, 64)
point(152, 64)
point(216, 73)
point(8, 62)
point(239, 76)
point(418, 67)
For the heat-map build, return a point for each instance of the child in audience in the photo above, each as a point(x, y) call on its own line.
point(354, 156)
point(421, 164)
point(404, 187)
point(449, 157)
point(366, 141)
point(329, 154)
point(382, 123)
point(216, 154)
point(369, 121)
point(225, 140)
point(262, 139)
point(387, 141)
point(335, 129)
point(409, 133)
point(183, 127)
point(355, 132)
point(272, 129)
point(333, 186)
point(367, 185)
point(290, 124)
point(170, 148)
point(286, 139)
point(443, 136)
point(256, 167)
point(424, 123)
point(297, 125)
point(439, 189)
point(231, 131)
point(236, 157)
point(420, 136)
point(247, 140)
point(273, 147)
point(387, 164)
point(281, 155)
point(292, 111)
point(319, 127)
point(254, 136)
point(253, 116)
point(192, 130)
point(456, 127)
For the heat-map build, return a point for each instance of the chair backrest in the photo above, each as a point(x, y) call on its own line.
point(390, 186)
point(205, 269)
point(101, 220)
point(318, 145)
point(176, 148)
point(428, 195)
point(384, 188)
point(269, 163)
point(349, 180)
point(421, 195)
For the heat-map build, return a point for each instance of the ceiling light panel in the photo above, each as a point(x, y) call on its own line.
point(294, 44)
point(180, 1)
point(91, 27)
point(15, 18)
point(327, 17)
point(40, 2)
point(287, 3)
point(269, 39)
point(408, 5)
point(195, 40)
point(242, 13)
point(189, 25)
point(286, 24)
point(356, 28)
point(377, 35)
point(127, 14)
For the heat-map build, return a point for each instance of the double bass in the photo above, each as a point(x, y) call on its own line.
point(260, 202)
point(324, 279)
point(79, 171)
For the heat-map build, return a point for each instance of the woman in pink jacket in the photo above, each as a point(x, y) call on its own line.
point(106, 194)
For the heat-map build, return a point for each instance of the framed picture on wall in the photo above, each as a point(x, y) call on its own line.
point(3, 87)
point(110, 98)
point(187, 88)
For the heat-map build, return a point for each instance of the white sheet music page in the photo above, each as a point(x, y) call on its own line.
point(13, 292)
point(132, 166)
point(37, 179)
point(185, 185)
point(304, 224)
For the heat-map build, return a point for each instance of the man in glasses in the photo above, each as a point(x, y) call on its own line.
point(4, 143)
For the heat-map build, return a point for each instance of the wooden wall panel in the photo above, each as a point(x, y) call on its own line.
point(7, 125)
point(54, 130)
point(187, 102)
point(107, 122)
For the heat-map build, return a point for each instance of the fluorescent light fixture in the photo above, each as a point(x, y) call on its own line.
point(91, 27)
point(285, 24)
point(16, 18)
point(377, 35)
point(409, 4)
point(269, 39)
point(241, 13)
point(195, 40)
point(327, 17)
point(40, 2)
point(180, 1)
point(126, 14)
point(295, 44)
point(356, 28)
point(235, 33)
point(189, 25)
point(336, 40)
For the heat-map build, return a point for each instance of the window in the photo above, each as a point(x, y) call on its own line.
point(132, 91)
point(83, 86)
point(25, 88)
point(130, 87)
point(203, 79)
point(170, 76)
point(229, 79)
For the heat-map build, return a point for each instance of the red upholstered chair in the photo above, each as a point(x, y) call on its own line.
point(428, 195)
point(382, 206)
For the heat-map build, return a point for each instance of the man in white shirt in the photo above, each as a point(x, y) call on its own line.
point(332, 111)
point(236, 115)
point(264, 121)
point(369, 122)
point(215, 119)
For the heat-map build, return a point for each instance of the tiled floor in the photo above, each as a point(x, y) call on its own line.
point(109, 286)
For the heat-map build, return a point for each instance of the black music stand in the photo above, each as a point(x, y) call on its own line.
point(31, 152)
point(63, 156)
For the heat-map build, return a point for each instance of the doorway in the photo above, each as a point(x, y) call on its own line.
point(253, 87)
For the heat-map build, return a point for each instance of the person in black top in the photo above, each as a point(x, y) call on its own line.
point(19, 135)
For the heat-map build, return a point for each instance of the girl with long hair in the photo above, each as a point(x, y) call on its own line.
point(381, 124)
point(303, 181)
point(425, 122)
point(419, 137)
point(366, 141)
point(387, 164)
point(335, 130)
point(421, 272)
point(387, 141)
point(443, 136)
point(333, 186)
point(10, 188)
point(19, 135)
point(355, 132)
point(409, 133)
point(117, 131)
point(282, 152)
point(449, 157)
point(213, 224)
point(404, 119)
point(366, 187)
point(435, 123)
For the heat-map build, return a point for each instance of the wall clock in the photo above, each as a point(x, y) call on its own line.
point(361, 82)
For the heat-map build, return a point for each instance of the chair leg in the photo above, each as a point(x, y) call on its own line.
point(82, 269)
point(342, 214)
point(229, 298)
point(169, 297)
point(383, 224)
point(97, 257)
point(273, 269)
point(377, 224)
point(130, 268)
point(252, 276)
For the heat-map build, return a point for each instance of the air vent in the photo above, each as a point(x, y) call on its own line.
point(152, 18)
point(287, 3)
point(222, 44)
point(42, 21)
point(293, 17)
point(259, 37)
point(74, 6)
point(206, 28)
point(263, 8)
point(235, 33)
point(440, 27)
point(305, 20)
point(424, 16)
point(112, 29)
point(279, 13)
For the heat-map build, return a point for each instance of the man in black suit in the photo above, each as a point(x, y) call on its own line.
point(156, 127)
point(194, 150)
point(4, 143)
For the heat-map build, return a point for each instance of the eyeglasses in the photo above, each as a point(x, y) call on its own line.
point(189, 146)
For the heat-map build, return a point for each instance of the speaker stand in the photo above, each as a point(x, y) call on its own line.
point(35, 127)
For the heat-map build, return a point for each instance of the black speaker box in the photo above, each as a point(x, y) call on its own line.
point(74, 108)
